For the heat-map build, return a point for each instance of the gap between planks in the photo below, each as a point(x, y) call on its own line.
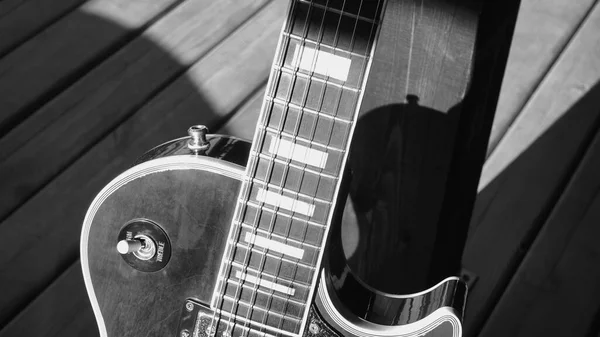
point(166, 117)
point(110, 93)
point(552, 25)
point(511, 208)
point(68, 287)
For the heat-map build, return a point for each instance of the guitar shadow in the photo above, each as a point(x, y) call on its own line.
point(400, 157)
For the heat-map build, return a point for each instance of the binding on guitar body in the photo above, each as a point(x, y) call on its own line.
point(209, 235)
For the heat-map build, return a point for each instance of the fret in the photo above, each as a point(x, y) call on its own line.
point(292, 228)
point(334, 50)
point(291, 274)
point(270, 266)
point(318, 129)
point(240, 245)
point(336, 7)
point(282, 190)
point(297, 139)
point(367, 10)
point(321, 96)
point(331, 28)
point(300, 292)
point(309, 76)
point(255, 306)
point(301, 207)
point(279, 213)
point(255, 154)
point(263, 296)
point(300, 244)
point(301, 288)
point(279, 101)
point(295, 179)
point(244, 320)
point(297, 58)
point(242, 310)
point(296, 149)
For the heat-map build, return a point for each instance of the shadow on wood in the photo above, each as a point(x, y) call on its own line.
point(510, 212)
point(136, 96)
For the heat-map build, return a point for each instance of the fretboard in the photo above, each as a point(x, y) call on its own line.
point(270, 266)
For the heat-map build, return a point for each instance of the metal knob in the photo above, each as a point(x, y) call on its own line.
point(198, 140)
point(141, 246)
point(129, 246)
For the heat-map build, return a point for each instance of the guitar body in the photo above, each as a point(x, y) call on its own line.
point(220, 237)
point(191, 198)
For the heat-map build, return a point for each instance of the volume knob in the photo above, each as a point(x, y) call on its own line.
point(129, 246)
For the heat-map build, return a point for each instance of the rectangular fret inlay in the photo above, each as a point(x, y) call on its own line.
point(270, 267)
point(321, 62)
point(265, 283)
point(297, 152)
point(285, 202)
point(274, 245)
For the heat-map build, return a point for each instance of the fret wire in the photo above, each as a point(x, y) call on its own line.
point(257, 206)
point(363, 69)
point(296, 166)
point(311, 142)
point(298, 262)
point(274, 278)
point(338, 11)
point(313, 78)
point(281, 237)
point(261, 309)
point(305, 109)
point(296, 131)
point(275, 295)
point(319, 44)
point(247, 191)
point(250, 322)
point(283, 189)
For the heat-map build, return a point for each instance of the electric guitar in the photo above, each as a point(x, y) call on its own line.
point(210, 235)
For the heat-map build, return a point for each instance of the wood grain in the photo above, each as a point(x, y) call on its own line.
point(543, 30)
point(23, 19)
point(42, 238)
point(63, 309)
point(524, 177)
point(559, 276)
point(79, 116)
point(53, 59)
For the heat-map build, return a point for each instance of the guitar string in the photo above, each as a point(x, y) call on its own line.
point(312, 132)
point(259, 213)
point(362, 68)
point(315, 121)
point(297, 123)
point(243, 195)
point(370, 41)
point(249, 185)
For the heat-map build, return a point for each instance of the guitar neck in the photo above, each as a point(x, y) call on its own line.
point(270, 266)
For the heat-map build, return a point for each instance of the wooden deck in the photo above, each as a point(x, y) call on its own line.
point(88, 86)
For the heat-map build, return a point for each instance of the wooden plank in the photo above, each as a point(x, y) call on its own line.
point(24, 19)
point(63, 309)
point(523, 178)
point(543, 30)
point(559, 278)
point(44, 232)
point(66, 298)
point(242, 123)
point(42, 66)
point(100, 100)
